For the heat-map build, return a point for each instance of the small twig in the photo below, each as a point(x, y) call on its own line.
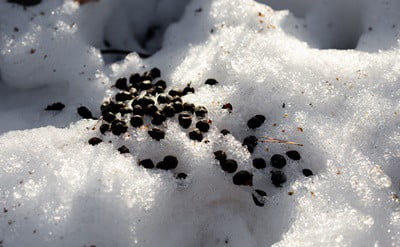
point(273, 140)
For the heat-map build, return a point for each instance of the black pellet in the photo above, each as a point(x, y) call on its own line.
point(177, 99)
point(259, 197)
point(145, 85)
point(121, 83)
point(151, 92)
point(185, 120)
point(156, 134)
point(169, 162)
point(196, 135)
point(136, 121)
point(225, 132)
point(118, 128)
point(189, 107)
point(278, 178)
point(278, 161)
point(108, 116)
point(26, 3)
point(158, 118)
point(164, 99)
point(250, 142)
point(229, 165)
point(150, 109)
point(293, 154)
point(188, 89)
point(243, 178)
point(256, 121)
point(220, 155)
point(55, 107)
point(123, 150)
point(94, 141)
point(211, 82)
point(125, 110)
point(169, 111)
point(147, 163)
point(175, 92)
point(106, 106)
point(155, 73)
point(159, 89)
point(84, 112)
point(104, 128)
point(307, 172)
point(259, 163)
point(200, 111)
point(181, 175)
point(137, 110)
point(161, 83)
point(144, 101)
point(177, 106)
point(135, 79)
point(203, 126)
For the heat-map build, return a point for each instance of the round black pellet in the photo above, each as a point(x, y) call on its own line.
point(118, 129)
point(169, 111)
point(256, 121)
point(144, 101)
point(147, 163)
point(157, 134)
point(250, 142)
point(307, 172)
point(229, 165)
point(84, 112)
point(159, 89)
point(293, 154)
point(196, 135)
point(104, 128)
point(145, 85)
point(177, 99)
point(125, 110)
point(108, 116)
point(161, 83)
point(211, 81)
point(188, 89)
point(123, 150)
point(137, 110)
point(151, 92)
point(169, 162)
point(121, 83)
point(150, 109)
point(278, 178)
point(225, 132)
point(185, 120)
point(220, 155)
point(189, 107)
point(175, 92)
point(158, 118)
point(243, 178)
point(177, 106)
point(200, 111)
point(155, 73)
point(135, 79)
point(94, 141)
point(259, 163)
point(203, 126)
point(164, 99)
point(136, 121)
point(278, 161)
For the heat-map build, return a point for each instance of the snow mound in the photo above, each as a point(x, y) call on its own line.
point(342, 105)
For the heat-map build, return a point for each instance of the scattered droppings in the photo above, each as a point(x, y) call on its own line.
point(157, 134)
point(196, 135)
point(203, 126)
point(250, 142)
point(185, 120)
point(220, 155)
point(123, 150)
point(229, 165)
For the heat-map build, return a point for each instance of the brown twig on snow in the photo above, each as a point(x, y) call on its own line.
point(273, 140)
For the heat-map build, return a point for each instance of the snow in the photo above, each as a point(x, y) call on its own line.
point(339, 84)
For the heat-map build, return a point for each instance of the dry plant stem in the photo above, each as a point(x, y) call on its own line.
point(273, 140)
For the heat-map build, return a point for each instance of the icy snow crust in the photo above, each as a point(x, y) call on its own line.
point(343, 105)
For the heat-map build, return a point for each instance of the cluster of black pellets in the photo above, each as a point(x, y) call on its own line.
point(143, 100)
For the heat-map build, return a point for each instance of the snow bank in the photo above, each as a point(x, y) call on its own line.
point(342, 105)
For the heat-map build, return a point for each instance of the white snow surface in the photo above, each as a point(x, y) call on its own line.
point(342, 104)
